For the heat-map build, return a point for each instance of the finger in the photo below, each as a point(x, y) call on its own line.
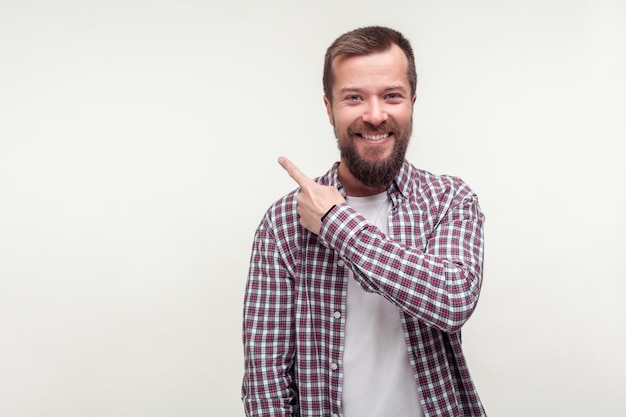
point(293, 171)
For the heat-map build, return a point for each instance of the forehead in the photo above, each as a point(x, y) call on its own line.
point(380, 69)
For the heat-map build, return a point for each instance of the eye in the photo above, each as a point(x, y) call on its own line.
point(353, 97)
point(393, 97)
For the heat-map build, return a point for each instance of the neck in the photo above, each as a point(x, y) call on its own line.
point(353, 186)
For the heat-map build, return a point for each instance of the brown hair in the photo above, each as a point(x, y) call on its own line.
point(366, 41)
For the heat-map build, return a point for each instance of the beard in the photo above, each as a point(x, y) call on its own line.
point(372, 172)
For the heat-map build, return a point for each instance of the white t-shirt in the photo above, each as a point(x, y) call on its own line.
point(378, 379)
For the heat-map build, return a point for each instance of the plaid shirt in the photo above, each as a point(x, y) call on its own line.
point(295, 302)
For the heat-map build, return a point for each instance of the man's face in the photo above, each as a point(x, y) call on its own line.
point(371, 112)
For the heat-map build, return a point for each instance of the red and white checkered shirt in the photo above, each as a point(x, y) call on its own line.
point(430, 266)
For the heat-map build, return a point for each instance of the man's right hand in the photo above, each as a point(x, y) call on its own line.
point(314, 199)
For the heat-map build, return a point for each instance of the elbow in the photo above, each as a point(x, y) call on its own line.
point(458, 303)
point(460, 308)
point(457, 319)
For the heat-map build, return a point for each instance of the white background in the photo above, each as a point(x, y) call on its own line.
point(138, 146)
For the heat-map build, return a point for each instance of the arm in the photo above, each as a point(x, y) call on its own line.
point(439, 285)
point(268, 331)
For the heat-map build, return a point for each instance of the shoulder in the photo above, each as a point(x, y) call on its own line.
point(281, 218)
point(439, 190)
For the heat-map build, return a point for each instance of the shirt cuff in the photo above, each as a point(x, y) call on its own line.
point(340, 226)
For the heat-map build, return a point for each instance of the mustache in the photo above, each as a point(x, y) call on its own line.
point(370, 128)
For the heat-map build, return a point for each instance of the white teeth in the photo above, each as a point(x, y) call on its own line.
point(375, 137)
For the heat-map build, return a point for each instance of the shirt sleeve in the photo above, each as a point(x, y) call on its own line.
point(439, 285)
point(268, 331)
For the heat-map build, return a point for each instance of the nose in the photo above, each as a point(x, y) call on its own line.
point(374, 112)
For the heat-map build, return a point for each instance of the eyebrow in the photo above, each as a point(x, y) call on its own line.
point(351, 90)
point(360, 90)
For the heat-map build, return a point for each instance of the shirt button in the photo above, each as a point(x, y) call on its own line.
point(340, 262)
point(337, 314)
point(334, 366)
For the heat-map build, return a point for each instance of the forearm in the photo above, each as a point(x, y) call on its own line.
point(439, 285)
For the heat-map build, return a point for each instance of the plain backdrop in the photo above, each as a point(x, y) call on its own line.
point(138, 146)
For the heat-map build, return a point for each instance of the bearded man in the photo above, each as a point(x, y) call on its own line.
point(360, 280)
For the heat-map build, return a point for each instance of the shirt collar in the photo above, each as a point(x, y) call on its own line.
point(399, 187)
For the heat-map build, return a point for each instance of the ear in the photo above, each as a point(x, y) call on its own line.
point(414, 98)
point(329, 110)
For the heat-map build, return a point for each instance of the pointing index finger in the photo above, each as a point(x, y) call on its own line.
point(293, 171)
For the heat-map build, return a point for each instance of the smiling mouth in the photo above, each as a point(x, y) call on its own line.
point(378, 137)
